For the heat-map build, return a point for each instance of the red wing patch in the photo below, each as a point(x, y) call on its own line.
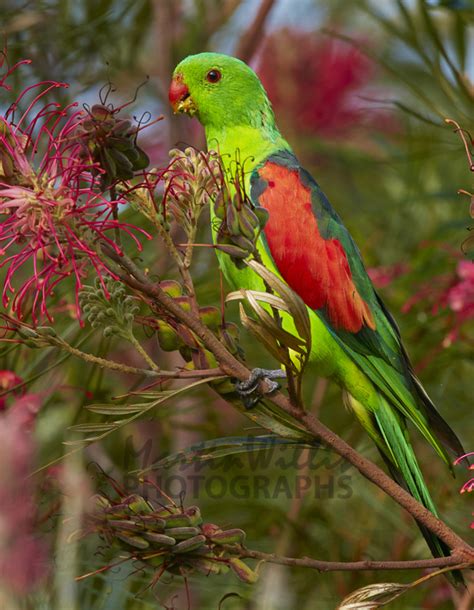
point(315, 268)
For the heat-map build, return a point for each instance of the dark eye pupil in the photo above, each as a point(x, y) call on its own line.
point(213, 76)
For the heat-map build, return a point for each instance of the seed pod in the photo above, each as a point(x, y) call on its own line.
point(210, 316)
point(108, 162)
point(205, 551)
point(233, 251)
point(167, 336)
point(120, 143)
point(26, 333)
point(233, 536)
point(181, 533)
point(137, 504)
point(180, 520)
point(150, 522)
point(232, 329)
point(246, 227)
point(229, 341)
point(207, 359)
point(124, 168)
point(209, 529)
point(242, 570)
point(131, 153)
point(46, 331)
point(194, 515)
point(100, 113)
point(244, 243)
point(191, 544)
point(143, 160)
point(161, 539)
point(121, 127)
point(125, 524)
point(171, 287)
point(184, 303)
point(219, 208)
point(206, 566)
point(250, 216)
point(167, 511)
point(132, 540)
point(232, 220)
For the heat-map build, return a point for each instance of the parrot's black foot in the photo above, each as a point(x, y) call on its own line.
point(248, 390)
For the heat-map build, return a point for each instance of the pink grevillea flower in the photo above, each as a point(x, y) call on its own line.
point(54, 212)
point(23, 558)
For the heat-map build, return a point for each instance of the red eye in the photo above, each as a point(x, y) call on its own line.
point(213, 76)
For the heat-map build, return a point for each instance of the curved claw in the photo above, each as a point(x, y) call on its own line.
point(248, 389)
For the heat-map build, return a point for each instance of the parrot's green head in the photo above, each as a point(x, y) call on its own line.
point(221, 91)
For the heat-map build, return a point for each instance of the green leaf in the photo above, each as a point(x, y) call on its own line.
point(99, 427)
point(108, 409)
point(222, 447)
point(107, 428)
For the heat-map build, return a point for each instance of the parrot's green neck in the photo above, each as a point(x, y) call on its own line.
point(247, 144)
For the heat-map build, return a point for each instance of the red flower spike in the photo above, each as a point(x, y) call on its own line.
point(316, 84)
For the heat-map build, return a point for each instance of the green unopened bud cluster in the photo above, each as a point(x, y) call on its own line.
point(106, 305)
point(170, 538)
point(194, 178)
point(111, 142)
point(241, 223)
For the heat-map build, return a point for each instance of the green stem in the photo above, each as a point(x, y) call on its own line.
point(136, 344)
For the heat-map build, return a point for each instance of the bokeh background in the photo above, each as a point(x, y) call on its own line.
point(361, 90)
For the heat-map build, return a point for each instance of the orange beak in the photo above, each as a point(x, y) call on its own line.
point(179, 96)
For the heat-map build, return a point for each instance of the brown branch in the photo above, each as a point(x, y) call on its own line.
point(354, 566)
point(136, 279)
point(252, 37)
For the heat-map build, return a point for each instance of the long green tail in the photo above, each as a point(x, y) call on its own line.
point(388, 430)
